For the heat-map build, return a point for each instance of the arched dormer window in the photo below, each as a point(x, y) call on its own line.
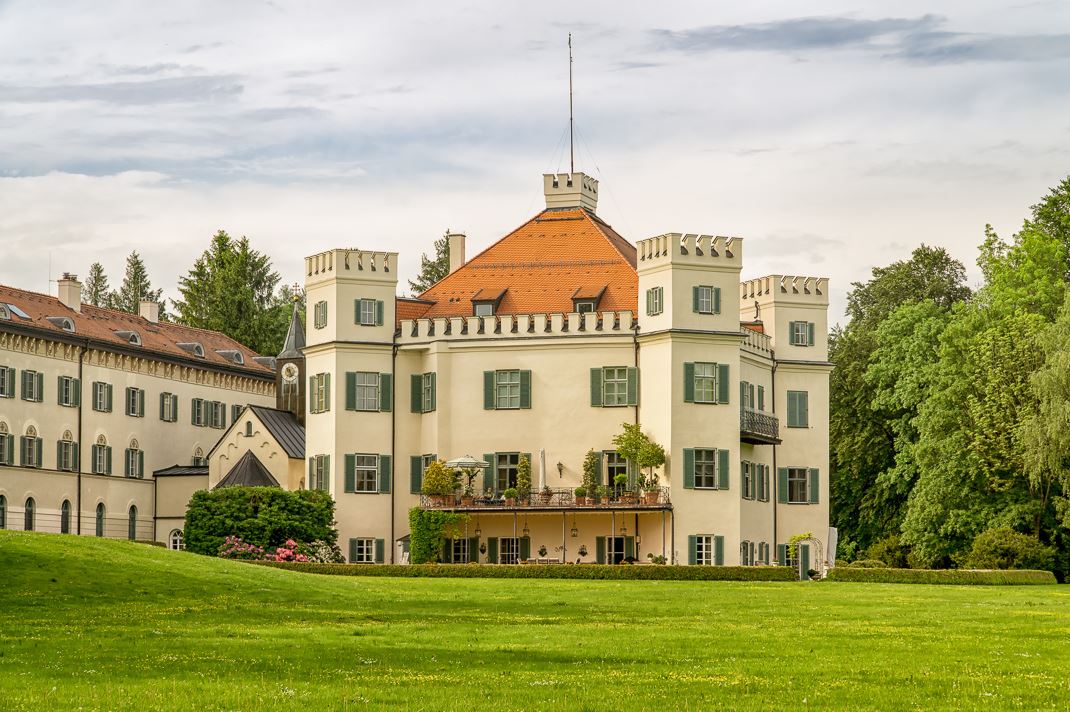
point(232, 355)
point(101, 512)
point(5, 313)
point(101, 457)
point(63, 322)
point(29, 514)
point(135, 460)
point(191, 347)
point(131, 337)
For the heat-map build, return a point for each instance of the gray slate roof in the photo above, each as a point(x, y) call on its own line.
point(295, 338)
point(180, 470)
point(248, 472)
point(284, 427)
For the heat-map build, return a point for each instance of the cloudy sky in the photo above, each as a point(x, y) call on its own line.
point(832, 136)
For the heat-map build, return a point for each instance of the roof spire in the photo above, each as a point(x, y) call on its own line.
point(571, 130)
point(295, 337)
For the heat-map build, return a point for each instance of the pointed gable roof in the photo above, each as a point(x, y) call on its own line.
point(295, 337)
point(248, 472)
point(539, 267)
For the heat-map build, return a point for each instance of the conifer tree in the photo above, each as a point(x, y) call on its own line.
point(433, 269)
point(96, 290)
point(136, 287)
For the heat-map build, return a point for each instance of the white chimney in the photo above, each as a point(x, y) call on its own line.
point(70, 291)
point(149, 311)
point(456, 245)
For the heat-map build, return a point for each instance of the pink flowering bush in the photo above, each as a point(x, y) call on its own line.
point(287, 552)
point(234, 548)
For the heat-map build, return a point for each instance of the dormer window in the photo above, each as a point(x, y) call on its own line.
point(12, 309)
point(485, 302)
point(265, 361)
point(63, 322)
point(5, 313)
point(484, 308)
point(131, 337)
point(192, 347)
point(584, 307)
point(232, 355)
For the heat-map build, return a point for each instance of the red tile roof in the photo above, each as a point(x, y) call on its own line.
point(101, 324)
point(541, 266)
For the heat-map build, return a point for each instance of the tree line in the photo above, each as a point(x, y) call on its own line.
point(231, 288)
point(950, 406)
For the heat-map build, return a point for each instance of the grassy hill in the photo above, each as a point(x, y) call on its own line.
point(110, 625)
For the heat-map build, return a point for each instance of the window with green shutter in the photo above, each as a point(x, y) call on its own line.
point(798, 409)
point(655, 301)
point(508, 389)
point(613, 386)
point(7, 382)
point(319, 393)
point(706, 299)
point(320, 312)
point(386, 473)
point(366, 473)
point(705, 550)
point(706, 468)
point(319, 472)
point(369, 312)
point(69, 391)
point(418, 465)
point(798, 485)
point(801, 333)
point(705, 382)
point(422, 397)
point(33, 386)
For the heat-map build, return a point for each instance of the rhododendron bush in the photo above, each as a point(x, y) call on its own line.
point(317, 552)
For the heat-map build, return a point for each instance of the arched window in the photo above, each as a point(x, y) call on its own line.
point(100, 519)
point(3, 512)
point(29, 514)
point(176, 541)
point(65, 517)
point(31, 448)
point(7, 440)
point(131, 528)
point(67, 453)
point(198, 458)
point(248, 428)
point(135, 460)
point(101, 454)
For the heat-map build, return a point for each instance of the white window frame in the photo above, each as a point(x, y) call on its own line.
point(750, 491)
point(35, 395)
point(320, 315)
point(512, 556)
point(656, 300)
point(503, 466)
point(367, 312)
point(318, 478)
point(4, 454)
point(705, 382)
point(197, 412)
point(66, 456)
point(426, 391)
point(100, 396)
point(614, 464)
point(704, 553)
point(133, 465)
point(364, 550)
point(746, 553)
point(217, 414)
point(800, 335)
point(4, 381)
point(507, 390)
point(317, 399)
point(100, 460)
point(67, 391)
point(135, 401)
point(483, 309)
point(176, 540)
point(614, 386)
point(585, 307)
point(702, 477)
point(365, 473)
point(460, 552)
point(366, 391)
point(170, 407)
point(705, 299)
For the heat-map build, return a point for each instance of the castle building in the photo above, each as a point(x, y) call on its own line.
point(538, 349)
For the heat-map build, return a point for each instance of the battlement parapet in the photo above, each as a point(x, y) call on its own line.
point(533, 326)
point(352, 264)
point(691, 249)
point(786, 288)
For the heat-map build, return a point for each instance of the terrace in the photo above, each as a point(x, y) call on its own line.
point(552, 499)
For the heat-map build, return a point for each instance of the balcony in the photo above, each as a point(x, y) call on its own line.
point(556, 499)
point(758, 428)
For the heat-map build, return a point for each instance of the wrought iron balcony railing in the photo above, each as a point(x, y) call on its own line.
point(555, 498)
point(758, 428)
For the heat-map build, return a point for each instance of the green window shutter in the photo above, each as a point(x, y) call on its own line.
point(27, 384)
point(386, 392)
point(600, 549)
point(107, 459)
point(722, 383)
point(804, 562)
point(758, 474)
point(743, 479)
point(473, 549)
point(93, 450)
point(325, 483)
point(326, 392)
point(716, 300)
point(793, 409)
point(386, 472)
point(489, 480)
point(722, 469)
point(761, 397)
point(488, 390)
point(649, 302)
point(791, 333)
point(782, 554)
point(598, 471)
point(76, 455)
point(742, 394)
point(804, 408)
point(633, 386)
point(689, 468)
point(596, 387)
point(351, 390)
point(782, 485)
point(525, 389)
point(525, 548)
point(416, 399)
point(692, 549)
point(352, 550)
point(126, 462)
point(163, 398)
point(380, 550)
point(77, 394)
point(111, 392)
point(416, 474)
point(718, 551)
point(59, 453)
point(810, 333)
point(629, 547)
point(311, 470)
point(492, 550)
point(689, 382)
point(434, 390)
point(59, 390)
point(356, 311)
point(350, 473)
point(379, 312)
point(140, 463)
point(694, 299)
point(313, 407)
point(174, 409)
point(40, 388)
point(815, 485)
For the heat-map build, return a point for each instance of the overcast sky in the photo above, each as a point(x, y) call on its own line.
point(831, 136)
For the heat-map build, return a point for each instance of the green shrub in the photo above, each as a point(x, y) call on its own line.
point(439, 480)
point(550, 571)
point(1007, 549)
point(867, 564)
point(962, 577)
point(262, 516)
point(889, 550)
point(428, 527)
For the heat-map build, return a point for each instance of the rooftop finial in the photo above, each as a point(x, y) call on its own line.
point(571, 130)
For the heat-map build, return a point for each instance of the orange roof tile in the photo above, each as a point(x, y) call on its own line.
point(101, 324)
point(541, 266)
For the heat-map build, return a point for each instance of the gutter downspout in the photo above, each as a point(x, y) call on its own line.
point(78, 494)
point(774, 476)
point(635, 360)
point(393, 445)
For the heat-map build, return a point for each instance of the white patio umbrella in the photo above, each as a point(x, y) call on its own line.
point(467, 463)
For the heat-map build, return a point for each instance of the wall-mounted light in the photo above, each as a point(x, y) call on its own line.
point(638, 539)
point(478, 532)
point(560, 470)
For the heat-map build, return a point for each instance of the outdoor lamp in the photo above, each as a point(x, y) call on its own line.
point(560, 469)
point(638, 539)
point(575, 532)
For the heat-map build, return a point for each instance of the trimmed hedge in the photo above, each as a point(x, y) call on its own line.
point(959, 577)
point(548, 571)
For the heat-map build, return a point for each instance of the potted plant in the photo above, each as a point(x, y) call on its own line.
point(591, 461)
point(601, 493)
point(468, 494)
point(546, 495)
point(624, 494)
point(659, 559)
point(510, 497)
point(542, 550)
point(581, 496)
point(636, 446)
point(651, 491)
point(439, 483)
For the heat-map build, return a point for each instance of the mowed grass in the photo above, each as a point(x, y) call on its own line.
point(107, 625)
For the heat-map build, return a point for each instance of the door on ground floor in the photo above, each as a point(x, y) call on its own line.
point(614, 549)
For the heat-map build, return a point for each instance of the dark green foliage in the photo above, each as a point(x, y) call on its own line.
point(889, 550)
point(866, 564)
point(960, 577)
point(1004, 548)
point(427, 528)
point(136, 288)
point(551, 571)
point(96, 290)
point(232, 288)
point(264, 516)
point(433, 269)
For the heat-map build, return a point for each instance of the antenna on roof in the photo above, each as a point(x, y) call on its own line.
point(571, 131)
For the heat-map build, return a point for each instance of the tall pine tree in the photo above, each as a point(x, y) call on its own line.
point(96, 290)
point(433, 269)
point(136, 287)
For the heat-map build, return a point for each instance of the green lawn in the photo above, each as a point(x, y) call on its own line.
point(92, 624)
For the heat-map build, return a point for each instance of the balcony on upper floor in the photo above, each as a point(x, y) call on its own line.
point(758, 428)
